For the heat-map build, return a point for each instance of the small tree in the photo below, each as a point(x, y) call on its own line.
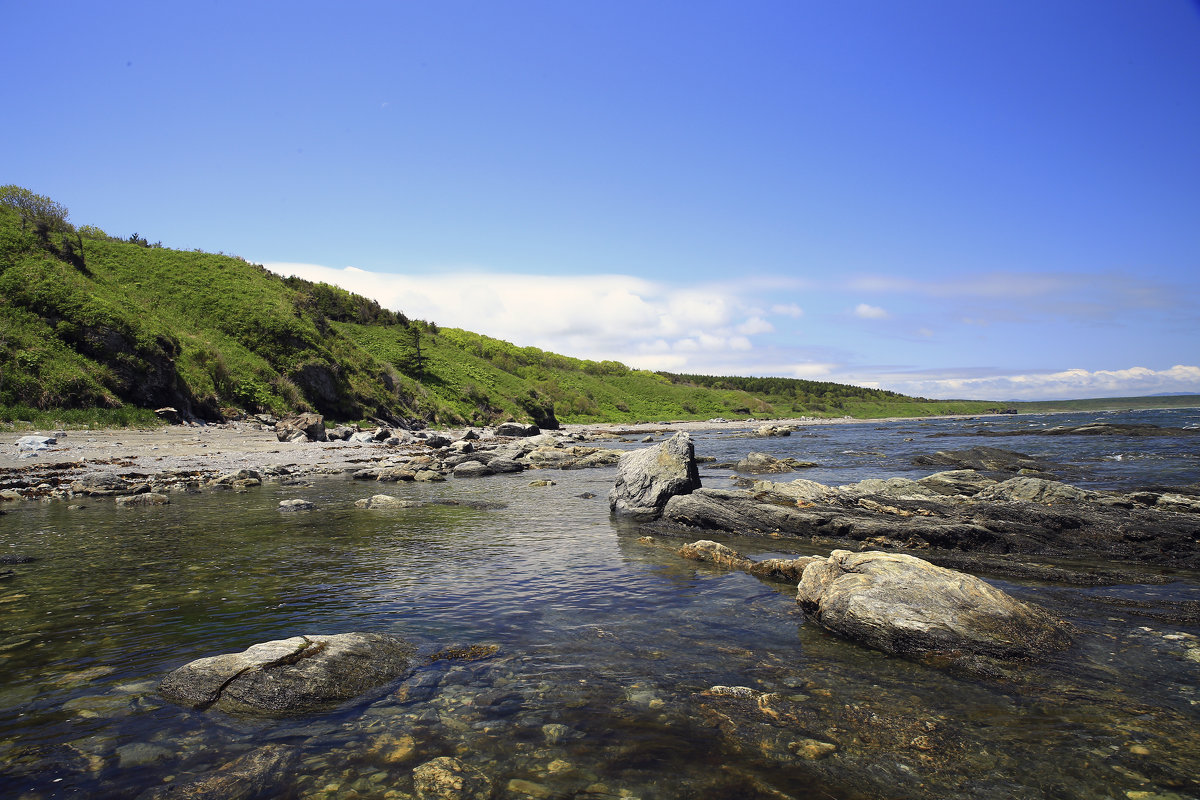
point(414, 359)
point(44, 214)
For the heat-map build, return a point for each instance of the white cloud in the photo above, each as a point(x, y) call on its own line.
point(864, 311)
point(622, 317)
point(1061, 385)
point(787, 310)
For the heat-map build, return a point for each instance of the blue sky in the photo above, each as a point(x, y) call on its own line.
point(950, 199)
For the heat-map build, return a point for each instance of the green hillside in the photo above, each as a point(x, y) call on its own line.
point(90, 321)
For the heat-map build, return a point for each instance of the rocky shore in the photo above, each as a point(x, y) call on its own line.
point(67, 465)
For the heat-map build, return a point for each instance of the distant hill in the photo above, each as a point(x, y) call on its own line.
point(93, 321)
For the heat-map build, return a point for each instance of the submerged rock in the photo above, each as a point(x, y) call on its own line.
point(986, 459)
point(901, 604)
point(259, 773)
point(147, 499)
point(447, 778)
point(764, 462)
point(786, 570)
point(296, 504)
point(648, 478)
point(386, 501)
point(290, 676)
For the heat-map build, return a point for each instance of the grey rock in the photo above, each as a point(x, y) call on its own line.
point(35, 443)
point(297, 504)
point(902, 604)
point(471, 469)
point(146, 499)
point(985, 459)
point(1035, 490)
point(101, 484)
point(517, 429)
point(648, 478)
point(889, 488)
point(312, 426)
point(956, 482)
point(800, 491)
point(764, 462)
point(264, 772)
point(290, 676)
point(385, 501)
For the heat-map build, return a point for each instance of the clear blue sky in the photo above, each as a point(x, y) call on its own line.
point(969, 199)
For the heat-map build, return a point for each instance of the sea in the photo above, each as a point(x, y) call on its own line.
point(604, 650)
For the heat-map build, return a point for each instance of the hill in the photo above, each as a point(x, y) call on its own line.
point(93, 321)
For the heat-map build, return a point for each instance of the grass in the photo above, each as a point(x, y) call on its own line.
point(95, 330)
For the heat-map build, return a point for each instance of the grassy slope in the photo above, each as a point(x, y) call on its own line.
point(131, 326)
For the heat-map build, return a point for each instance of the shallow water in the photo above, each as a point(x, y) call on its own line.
point(606, 645)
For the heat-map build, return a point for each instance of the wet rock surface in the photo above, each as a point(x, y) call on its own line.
point(647, 479)
point(289, 676)
point(902, 604)
point(260, 773)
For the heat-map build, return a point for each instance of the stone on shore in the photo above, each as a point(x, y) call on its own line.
point(902, 604)
point(290, 676)
point(310, 426)
point(471, 469)
point(764, 462)
point(517, 429)
point(648, 478)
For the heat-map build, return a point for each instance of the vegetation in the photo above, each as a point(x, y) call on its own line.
point(94, 322)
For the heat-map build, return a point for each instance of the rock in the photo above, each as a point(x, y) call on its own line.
point(290, 676)
point(773, 430)
point(774, 569)
point(984, 459)
point(890, 488)
point(264, 772)
point(542, 482)
point(500, 465)
point(904, 605)
point(648, 438)
point(342, 433)
point(298, 504)
point(428, 476)
point(956, 482)
point(33, 444)
point(140, 754)
point(1035, 490)
point(462, 447)
point(647, 479)
point(100, 484)
point(436, 440)
point(147, 499)
point(471, 469)
point(764, 462)
point(517, 429)
point(447, 778)
point(386, 501)
point(1180, 503)
point(799, 491)
point(812, 749)
point(714, 553)
point(168, 415)
point(311, 425)
point(362, 436)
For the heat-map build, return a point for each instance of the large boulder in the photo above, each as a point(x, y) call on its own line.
point(311, 426)
point(648, 478)
point(290, 676)
point(902, 604)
